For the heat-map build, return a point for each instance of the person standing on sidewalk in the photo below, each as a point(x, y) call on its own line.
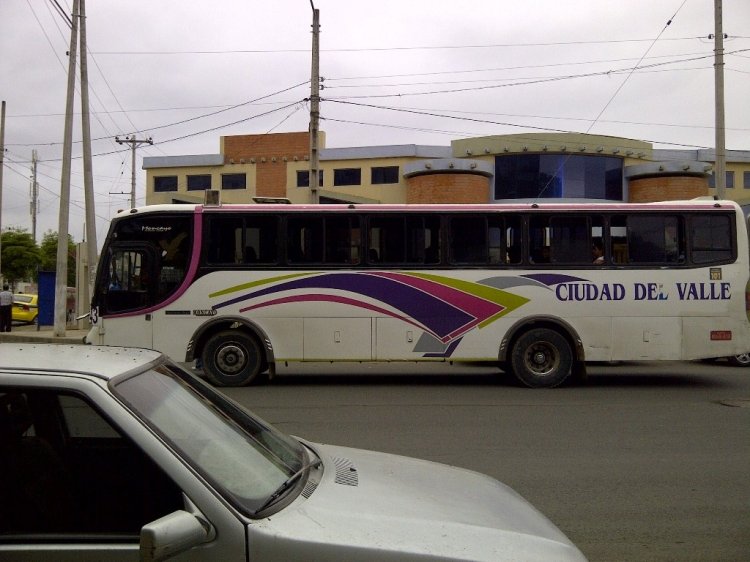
point(6, 309)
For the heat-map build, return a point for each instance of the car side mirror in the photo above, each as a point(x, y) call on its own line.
point(171, 535)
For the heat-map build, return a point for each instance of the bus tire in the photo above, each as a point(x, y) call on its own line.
point(741, 360)
point(541, 358)
point(232, 358)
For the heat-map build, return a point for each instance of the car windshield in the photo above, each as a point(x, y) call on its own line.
point(242, 456)
point(22, 298)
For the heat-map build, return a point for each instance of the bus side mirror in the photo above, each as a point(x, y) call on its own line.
point(171, 535)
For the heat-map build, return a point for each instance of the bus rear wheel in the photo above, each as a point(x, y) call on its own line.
point(232, 358)
point(541, 358)
point(741, 360)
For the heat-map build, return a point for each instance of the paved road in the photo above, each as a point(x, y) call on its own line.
point(643, 462)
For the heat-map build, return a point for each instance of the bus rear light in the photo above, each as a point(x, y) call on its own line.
point(721, 335)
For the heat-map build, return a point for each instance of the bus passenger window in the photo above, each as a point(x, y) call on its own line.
point(539, 240)
point(514, 239)
point(224, 240)
point(618, 240)
point(570, 241)
point(711, 240)
point(655, 239)
point(259, 239)
point(342, 240)
point(386, 237)
point(423, 239)
point(305, 239)
point(468, 242)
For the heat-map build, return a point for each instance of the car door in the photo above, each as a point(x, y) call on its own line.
point(80, 477)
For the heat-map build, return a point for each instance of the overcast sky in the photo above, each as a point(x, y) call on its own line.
point(396, 72)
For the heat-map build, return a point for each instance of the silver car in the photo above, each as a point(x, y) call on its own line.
point(119, 454)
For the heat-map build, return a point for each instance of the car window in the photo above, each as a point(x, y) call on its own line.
point(22, 298)
point(244, 458)
point(66, 470)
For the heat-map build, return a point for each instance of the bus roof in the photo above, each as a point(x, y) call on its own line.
point(697, 204)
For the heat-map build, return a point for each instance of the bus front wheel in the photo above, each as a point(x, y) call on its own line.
point(541, 358)
point(232, 358)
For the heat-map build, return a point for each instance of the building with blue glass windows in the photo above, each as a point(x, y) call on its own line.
point(498, 168)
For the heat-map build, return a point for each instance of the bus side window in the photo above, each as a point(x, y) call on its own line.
point(386, 237)
point(711, 240)
point(514, 239)
point(618, 240)
point(305, 236)
point(342, 240)
point(570, 240)
point(260, 235)
point(655, 239)
point(539, 240)
point(224, 242)
point(420, 248)
point(495, 240)
point(432, 239)
point(468, 244)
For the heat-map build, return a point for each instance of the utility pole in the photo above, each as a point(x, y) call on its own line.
point(720, 165)
point(34, 205)
point(314, 105)
point(61, 276)
point(2, 165)
point(88, 174)
point(134, 143)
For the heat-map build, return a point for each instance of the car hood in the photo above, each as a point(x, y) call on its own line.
point(376, 506)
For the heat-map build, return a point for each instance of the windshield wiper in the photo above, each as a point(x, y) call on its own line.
point(288, 482)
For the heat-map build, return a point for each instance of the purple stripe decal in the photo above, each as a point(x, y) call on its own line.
point(441, 310)
point(478, 307)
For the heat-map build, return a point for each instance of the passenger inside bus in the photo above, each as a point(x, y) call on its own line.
point(598, 252)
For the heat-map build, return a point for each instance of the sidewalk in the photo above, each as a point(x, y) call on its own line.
point(45, 334)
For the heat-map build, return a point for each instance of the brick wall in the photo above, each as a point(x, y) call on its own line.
point(447, 188)
point(666, 188)
point(268, 146)
point(275, 149)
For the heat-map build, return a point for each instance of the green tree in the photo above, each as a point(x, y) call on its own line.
point(48, 255)
point(20, 256)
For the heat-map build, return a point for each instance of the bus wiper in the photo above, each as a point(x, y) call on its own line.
point(288, 482)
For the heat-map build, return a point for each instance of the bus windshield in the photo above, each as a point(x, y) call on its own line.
point(145, 262)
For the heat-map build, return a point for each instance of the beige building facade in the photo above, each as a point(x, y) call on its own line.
point(499, 168)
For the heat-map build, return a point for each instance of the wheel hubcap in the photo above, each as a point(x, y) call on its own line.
point(542, 359)
point(539, 358)
point(231, 359)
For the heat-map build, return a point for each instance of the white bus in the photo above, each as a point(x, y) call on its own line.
point(244, 287)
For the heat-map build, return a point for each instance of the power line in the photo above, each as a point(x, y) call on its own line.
point(528, 82)
point(503, 68)
point(189, 135)
point(622, 85)
point(62, 13)
point(398, 48)
point(197, 117)
point(470, 120)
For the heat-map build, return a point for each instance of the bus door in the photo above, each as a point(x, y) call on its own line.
point(127, 293)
